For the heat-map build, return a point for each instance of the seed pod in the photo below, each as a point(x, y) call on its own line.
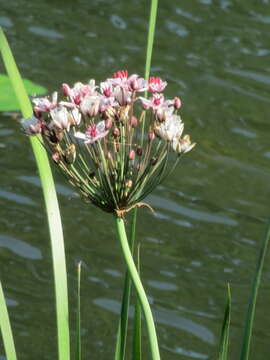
point(154, 160)
point(139, 151)
point(70, 154)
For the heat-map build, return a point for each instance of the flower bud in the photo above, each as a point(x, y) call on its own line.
point(116, 132)
point(108, 155)
point(132, 155)
point(66, 89)
point(177, 103)
point(108, 124)
point(133, 121)
point(56, 157)
point(151, 135)
point(139, 151)
point(70, 154)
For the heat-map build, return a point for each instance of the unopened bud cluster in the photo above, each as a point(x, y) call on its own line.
point(112, 144)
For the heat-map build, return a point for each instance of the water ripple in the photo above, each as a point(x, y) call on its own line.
point(20, 247)
point(191, 213)
point(165, 317)
point(45, 32)
point(20, 199)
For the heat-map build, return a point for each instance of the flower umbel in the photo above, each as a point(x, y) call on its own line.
point(112, 145)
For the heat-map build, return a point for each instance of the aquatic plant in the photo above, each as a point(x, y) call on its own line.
point(114, 146)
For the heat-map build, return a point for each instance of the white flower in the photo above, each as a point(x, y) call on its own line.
point(171, 128)
point(75, 116)
point(182, 145)
point(60, 118)
point(90, 105)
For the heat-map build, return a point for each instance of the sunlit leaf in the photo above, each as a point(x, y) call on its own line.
point(8, 99)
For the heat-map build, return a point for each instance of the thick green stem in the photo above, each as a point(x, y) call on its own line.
point(123, 322)
point(139, 288)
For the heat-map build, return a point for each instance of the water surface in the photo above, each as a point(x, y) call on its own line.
point(209, 216)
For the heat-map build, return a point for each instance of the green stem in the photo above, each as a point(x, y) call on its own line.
point(139, 288)
point(123, 322)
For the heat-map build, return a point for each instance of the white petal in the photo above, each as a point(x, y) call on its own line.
point(80, 135)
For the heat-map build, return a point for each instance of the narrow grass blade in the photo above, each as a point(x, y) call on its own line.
point(253, 298)
point(149, 47)
point(52, 208)
point(6, 328)
point(150, 38)
point(78, 330)
point(224, 339)
point(137, 334)
point(123, 323)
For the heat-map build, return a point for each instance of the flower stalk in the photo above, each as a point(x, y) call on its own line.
point(121, 232)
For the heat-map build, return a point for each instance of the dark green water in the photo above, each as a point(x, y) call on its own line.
point(209, 216)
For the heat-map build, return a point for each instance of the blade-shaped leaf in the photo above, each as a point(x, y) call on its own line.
point(224, 339)
point(78, 330)
point(253, 298)
point(52, 207)
point(6, 328)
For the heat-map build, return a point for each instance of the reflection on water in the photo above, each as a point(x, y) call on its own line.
point(209, 215)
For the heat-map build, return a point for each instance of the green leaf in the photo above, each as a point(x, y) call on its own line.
point(6, 328)
point(8, 100)
point(51, 203)
point(78, 354)
point(224, 339)
point(253, 298)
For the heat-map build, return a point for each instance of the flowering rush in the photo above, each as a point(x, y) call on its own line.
point(114, 145)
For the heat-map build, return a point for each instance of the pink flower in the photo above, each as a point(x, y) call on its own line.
point(106, 102)
point(120, 78)
point(93, 133)
point(31, 126)
point(121, 74)
point(154, 102)
point(155, 84)
point(79, 91)
point(106, 88)
point(42, 105)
